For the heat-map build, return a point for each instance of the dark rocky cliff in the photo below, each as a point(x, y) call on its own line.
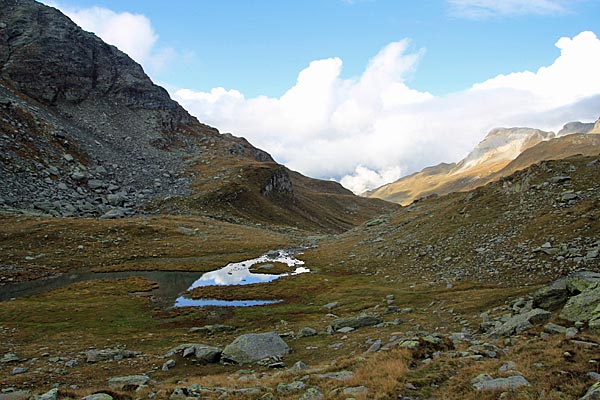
point(82, 128)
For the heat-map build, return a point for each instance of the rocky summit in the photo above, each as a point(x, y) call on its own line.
point(145, 255)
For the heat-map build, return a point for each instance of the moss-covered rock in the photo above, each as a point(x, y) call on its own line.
point(584, 307)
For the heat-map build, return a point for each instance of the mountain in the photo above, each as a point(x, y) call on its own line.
point(596, 128)
point(500, 153)
point(85, 132)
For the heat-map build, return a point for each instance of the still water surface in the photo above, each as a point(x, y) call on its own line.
point(173, 283)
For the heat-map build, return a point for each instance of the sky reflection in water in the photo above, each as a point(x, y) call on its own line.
point(239, 274)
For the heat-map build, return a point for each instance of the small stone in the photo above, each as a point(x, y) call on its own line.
point(298, 367)
point(95, 184)
point(50, 395)
point(19, 370)
point(338, 376)
point(554, 329)
point(355, 390)
point(78, 176)
point(289, 387)
point(594, 375)
point(374, 347)
point(98, 396)
point(509, 383)
point(168, 365)
point(313, 393)
point(71, 363)
point(130, 381)
point(113, 214)
point(355, 322)
point(305, 332)
point(9, 357)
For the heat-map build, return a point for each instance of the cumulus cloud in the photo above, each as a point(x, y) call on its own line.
point(131, 33)
point(325, 126)
point(481, 9)
point(364, 179)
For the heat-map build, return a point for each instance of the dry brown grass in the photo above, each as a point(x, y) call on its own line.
point(542, 362)
point(43, 246)
point(383, 373)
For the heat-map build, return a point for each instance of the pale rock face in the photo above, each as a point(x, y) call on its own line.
point(503, 144)
point(596, 129)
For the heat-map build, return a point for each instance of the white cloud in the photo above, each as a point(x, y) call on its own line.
point(131, 33)
point(572, 76)
point(481, 9)
point(326, 126)
point(364, 179)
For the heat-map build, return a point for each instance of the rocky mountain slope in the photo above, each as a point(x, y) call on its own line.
point(84, 132)
point(539, 223)
point(490, 159)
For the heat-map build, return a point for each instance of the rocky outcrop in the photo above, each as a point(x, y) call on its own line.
point(521, 322)
point(584, 307)
point(579, 296)
point(205, 353)
point(553, 296)
point(278, 184)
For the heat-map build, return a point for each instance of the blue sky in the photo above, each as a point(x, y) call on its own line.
point(363, 91)
point(258, 47)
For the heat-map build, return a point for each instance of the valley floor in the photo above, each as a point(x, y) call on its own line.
point(415, 305)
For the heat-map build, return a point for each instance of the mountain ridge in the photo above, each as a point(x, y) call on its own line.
point(491, 159)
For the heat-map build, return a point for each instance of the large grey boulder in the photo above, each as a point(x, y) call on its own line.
point(552, 296)
point(584, 307)
point(521, 322)
point(355, 322)
point(254, 347)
